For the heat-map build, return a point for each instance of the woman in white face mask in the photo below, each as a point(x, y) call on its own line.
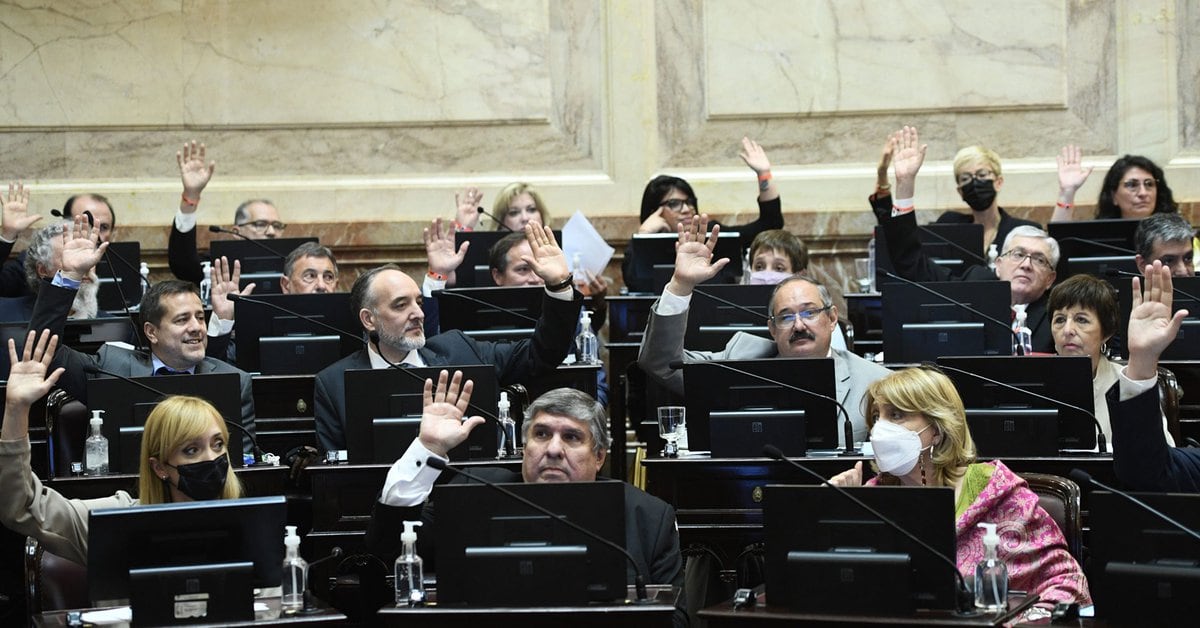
point(919, 437)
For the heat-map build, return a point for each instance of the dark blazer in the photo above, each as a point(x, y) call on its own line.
point(1007, 224)
point(12, 273)
point(16, 309)
point(182, 256)
point(515, 362)
point(1141, 457)
point(650, 533)
point(912, 264)
point(50, 312)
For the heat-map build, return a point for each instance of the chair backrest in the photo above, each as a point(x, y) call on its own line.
point(1169, 395)
point(1059, 497)
point(51, 581)
point(66, 430)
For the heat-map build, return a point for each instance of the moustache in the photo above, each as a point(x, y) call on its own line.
point(802, 335)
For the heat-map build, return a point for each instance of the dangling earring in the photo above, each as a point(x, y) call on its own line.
point(1104, 349)
point(923, 468)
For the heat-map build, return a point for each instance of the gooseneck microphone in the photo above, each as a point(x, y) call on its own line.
point(467, 297)
point(847, 427)
point(1083, 478)
point(947, 299)
point(965, 598)
point(1116, 272)
point(91, 368)
point(639, 581)
point(1098, 244)
point(1101, 442)
point(137, 337)
point(309, 607)
point(748, 310)
point(374, 339)
point(273, 252)
point(498, 221)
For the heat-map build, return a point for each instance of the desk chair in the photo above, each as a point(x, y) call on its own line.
point(51, 581)
point(67, 427)
point(1169, 394)
point(1059, 497)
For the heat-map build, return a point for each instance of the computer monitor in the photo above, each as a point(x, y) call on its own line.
point(712, 320)
point(120, 267)
point(126, 407)
point(82, 334)
point(954, 246)
point(186, 562)
point(262, 260)
point(475, 270)
point(920, 325)
point(1007, 422)
point(494, 314)
point(1186, 345)
point(272, 342)
point(654, 256)
point(383, 412)
point(1079, 240)
point(718, 394)
point(492, 550)
point(827, 554)
point(1143, 570)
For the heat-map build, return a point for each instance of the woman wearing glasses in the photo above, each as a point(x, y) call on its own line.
point(670, 201)
point(1133, 188)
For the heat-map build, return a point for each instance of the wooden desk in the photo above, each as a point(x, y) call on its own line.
point(659, 613)
point(323, 616)
point(723, 614)
point(257, 481)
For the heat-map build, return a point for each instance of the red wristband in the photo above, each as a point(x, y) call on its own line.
point(187, 201)
point(436, 276)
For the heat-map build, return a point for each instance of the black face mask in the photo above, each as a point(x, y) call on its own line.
point(979, 193)
point(203, 480)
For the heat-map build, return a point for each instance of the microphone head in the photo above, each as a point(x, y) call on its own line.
point(479, 210)
point(1080, 477)
point(215, 229)
point(772, 451)
point(233, 296)
point(336, 552)
point(436, 463)
point(57, 214)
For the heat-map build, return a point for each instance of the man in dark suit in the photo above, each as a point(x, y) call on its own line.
point(566, 440)
point(12, 275)
point(172, 320)
point(388, 303)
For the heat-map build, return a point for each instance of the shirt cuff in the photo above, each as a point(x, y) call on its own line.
point(429, 285)
point(218, 327)
point(1131, 388)
point(566, 294)
point(670, 304)
point(410, 481)
point(62, 281)
point(185, 222)
point(901, 206)
point(7, 241)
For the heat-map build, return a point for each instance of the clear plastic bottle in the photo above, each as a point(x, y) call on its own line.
point(506, 430)
point(993, 254)
point(586, 346)
point(206, 284)
point(144, 271)
point(295, 573)
point(1022, 335)
point(871, 256)
point(95, 448)
point(579, 275)
point(410, 571)
point(991, 575)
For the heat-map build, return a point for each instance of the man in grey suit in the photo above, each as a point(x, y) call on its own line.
point(172, 319)
point(801, 324)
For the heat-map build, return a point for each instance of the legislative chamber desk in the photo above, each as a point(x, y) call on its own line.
point(723, 614)
point(321, 616)
point(657, 614)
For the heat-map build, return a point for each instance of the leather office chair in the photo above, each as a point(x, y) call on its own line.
point(1059, 497)
point(67, 427)
point(1169, 395)
point(51, 581)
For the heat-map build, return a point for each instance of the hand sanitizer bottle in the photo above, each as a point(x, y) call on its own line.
point(95, 448)
point(206, 284)
point(586, 345)
point(506, 430)
point(410, 571)
point(295, 574)
point(991, 575)
point(992, 255)
point(144, 271)
point(1022, 335)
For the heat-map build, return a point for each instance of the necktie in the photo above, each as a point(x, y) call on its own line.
point(163, 370)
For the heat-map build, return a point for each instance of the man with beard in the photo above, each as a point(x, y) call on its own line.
point(13, 274)
point(801, 323)
point(43, 259)
point(388, 304)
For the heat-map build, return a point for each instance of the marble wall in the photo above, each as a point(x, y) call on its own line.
point(360, 119)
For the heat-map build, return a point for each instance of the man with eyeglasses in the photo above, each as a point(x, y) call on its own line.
point(1027, 259)
point(801, 324)
point(13, 276)
point(256, 219)
point(1165, 238)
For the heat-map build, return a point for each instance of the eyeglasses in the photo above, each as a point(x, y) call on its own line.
point(982, 174)
point(676, 204)
point(262, 225)
point(1133, 184)
point(1018, 255)
point(788, 321)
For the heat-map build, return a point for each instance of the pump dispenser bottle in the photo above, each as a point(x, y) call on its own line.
point(95, 448)
point(410, 571)
point(506, 430)
point(295, 573)
point(991, 575)
point(587, 348)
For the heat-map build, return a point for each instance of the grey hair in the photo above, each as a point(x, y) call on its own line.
point(308, 249)
point(241, 214)
point(1164, 227)
point(1029, 231)
point(826, 300)
point(41, 251)
point(577, 405)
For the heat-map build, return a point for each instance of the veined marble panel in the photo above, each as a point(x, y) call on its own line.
point(783, 57)
point(1187, 13)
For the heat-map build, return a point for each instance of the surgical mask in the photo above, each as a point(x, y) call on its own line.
point(896, 448)
point(979, 193)
point(767, 277)
point(203, 480)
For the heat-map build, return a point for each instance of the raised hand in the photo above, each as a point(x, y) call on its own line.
point(194, 174)
point(1152, 327)
point(754, 156)
point(907, 159)
point(548, 260)
point(467, 203)
point(442, 421)
point(1071, 173)
point(693, 256)
point(225, 284)
point(27, 379)
point(885, 160)
point(849, 477)
point(16, 212)
point(439, 248)
point(82, 248)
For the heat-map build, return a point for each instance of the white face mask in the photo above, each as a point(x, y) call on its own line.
point(767, 277)
point(896, 447)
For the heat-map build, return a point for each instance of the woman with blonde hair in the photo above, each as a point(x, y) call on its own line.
point(919, 437)
point(183, 458)
point(516, 205)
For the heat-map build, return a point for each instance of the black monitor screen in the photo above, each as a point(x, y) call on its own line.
point(1186, 297)
point(82, 334)
point(474, 271)
point(719, 311)
point(262, 260)
point(919, 325)
point(712, 388)
point(1008, 422)
point(119, 267)
point(508, 313)
point(273, 342)
point(654, 255)
point(126, 407)
point(1091, 239)
point(953, 246)
point(494, 550)
point(381, 405)
point(826, 553)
